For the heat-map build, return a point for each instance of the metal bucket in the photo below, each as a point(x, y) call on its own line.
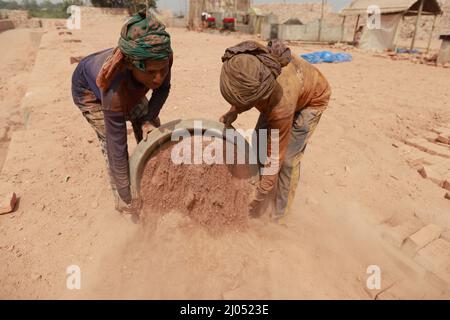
point(158, 137)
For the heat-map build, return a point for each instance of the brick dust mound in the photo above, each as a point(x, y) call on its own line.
point(215, 196)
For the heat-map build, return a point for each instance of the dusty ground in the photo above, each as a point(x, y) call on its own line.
point(357, 195)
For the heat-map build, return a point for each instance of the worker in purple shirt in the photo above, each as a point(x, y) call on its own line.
point(110, 86)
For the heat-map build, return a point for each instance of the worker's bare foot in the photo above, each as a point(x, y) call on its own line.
point(127, 208)
point(281, 221)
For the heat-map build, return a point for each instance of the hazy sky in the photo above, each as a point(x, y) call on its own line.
point(180, 5)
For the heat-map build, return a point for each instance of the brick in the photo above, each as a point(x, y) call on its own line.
point(444, 145)
point(430, 136)
point(414, 160)
point(427, 172)
point(439, 173)
point(446, 184)
point(387, 281)
point(75, 59)
point(443, 139)
point(421, 238)
point(443, 168)
point(429, 147)
point(8, 203)
point(442, 130)
point(414, 157)
point(436, 258)
point(398, 234)
point(72, 40)
point(437, 282)
point(424, 287)
point(434, 160)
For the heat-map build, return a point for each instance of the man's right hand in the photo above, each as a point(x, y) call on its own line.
point(228, 118)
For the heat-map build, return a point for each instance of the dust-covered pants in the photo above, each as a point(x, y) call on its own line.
point(304, 124)
point(91, 110)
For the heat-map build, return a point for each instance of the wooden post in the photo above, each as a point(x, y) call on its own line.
point(321, 21)
point(343, 28)
point(419, 14)
point(356, 28)
point(397, 30)
point(431, 33)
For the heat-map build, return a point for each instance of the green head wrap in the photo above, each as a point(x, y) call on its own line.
point(144, 37)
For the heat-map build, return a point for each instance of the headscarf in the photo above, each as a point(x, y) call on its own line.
point(249, 71)
point(143, 37)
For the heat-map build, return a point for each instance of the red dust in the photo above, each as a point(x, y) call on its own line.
point(215, 196)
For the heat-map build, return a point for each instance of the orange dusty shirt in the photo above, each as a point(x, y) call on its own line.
point(302, 86)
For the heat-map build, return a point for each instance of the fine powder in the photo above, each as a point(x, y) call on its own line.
point(214, 195)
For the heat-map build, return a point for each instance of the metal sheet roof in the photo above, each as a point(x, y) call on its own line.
point(357, 7)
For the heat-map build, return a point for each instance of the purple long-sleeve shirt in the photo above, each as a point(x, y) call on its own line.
point(124, 93)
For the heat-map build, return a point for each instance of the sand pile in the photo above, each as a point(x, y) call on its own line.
point(215, 196)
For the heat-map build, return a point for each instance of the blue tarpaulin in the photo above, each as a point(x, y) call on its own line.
point(326, 56)
point(401, 50)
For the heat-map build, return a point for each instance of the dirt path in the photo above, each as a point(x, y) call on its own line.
point(355, 189)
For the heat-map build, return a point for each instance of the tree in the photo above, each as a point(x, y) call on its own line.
point(11, 5)
point(130, 4)
point(137, 5)
point(30, 5)
point(67, 3)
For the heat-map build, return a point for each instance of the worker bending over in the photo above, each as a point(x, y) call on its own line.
point(290, 95)
point(110, 86)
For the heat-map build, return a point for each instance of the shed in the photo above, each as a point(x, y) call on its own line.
point(257, 18)
point(391, 14)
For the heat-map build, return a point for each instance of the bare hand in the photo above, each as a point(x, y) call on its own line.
point(228, 118)
point(147, 127)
